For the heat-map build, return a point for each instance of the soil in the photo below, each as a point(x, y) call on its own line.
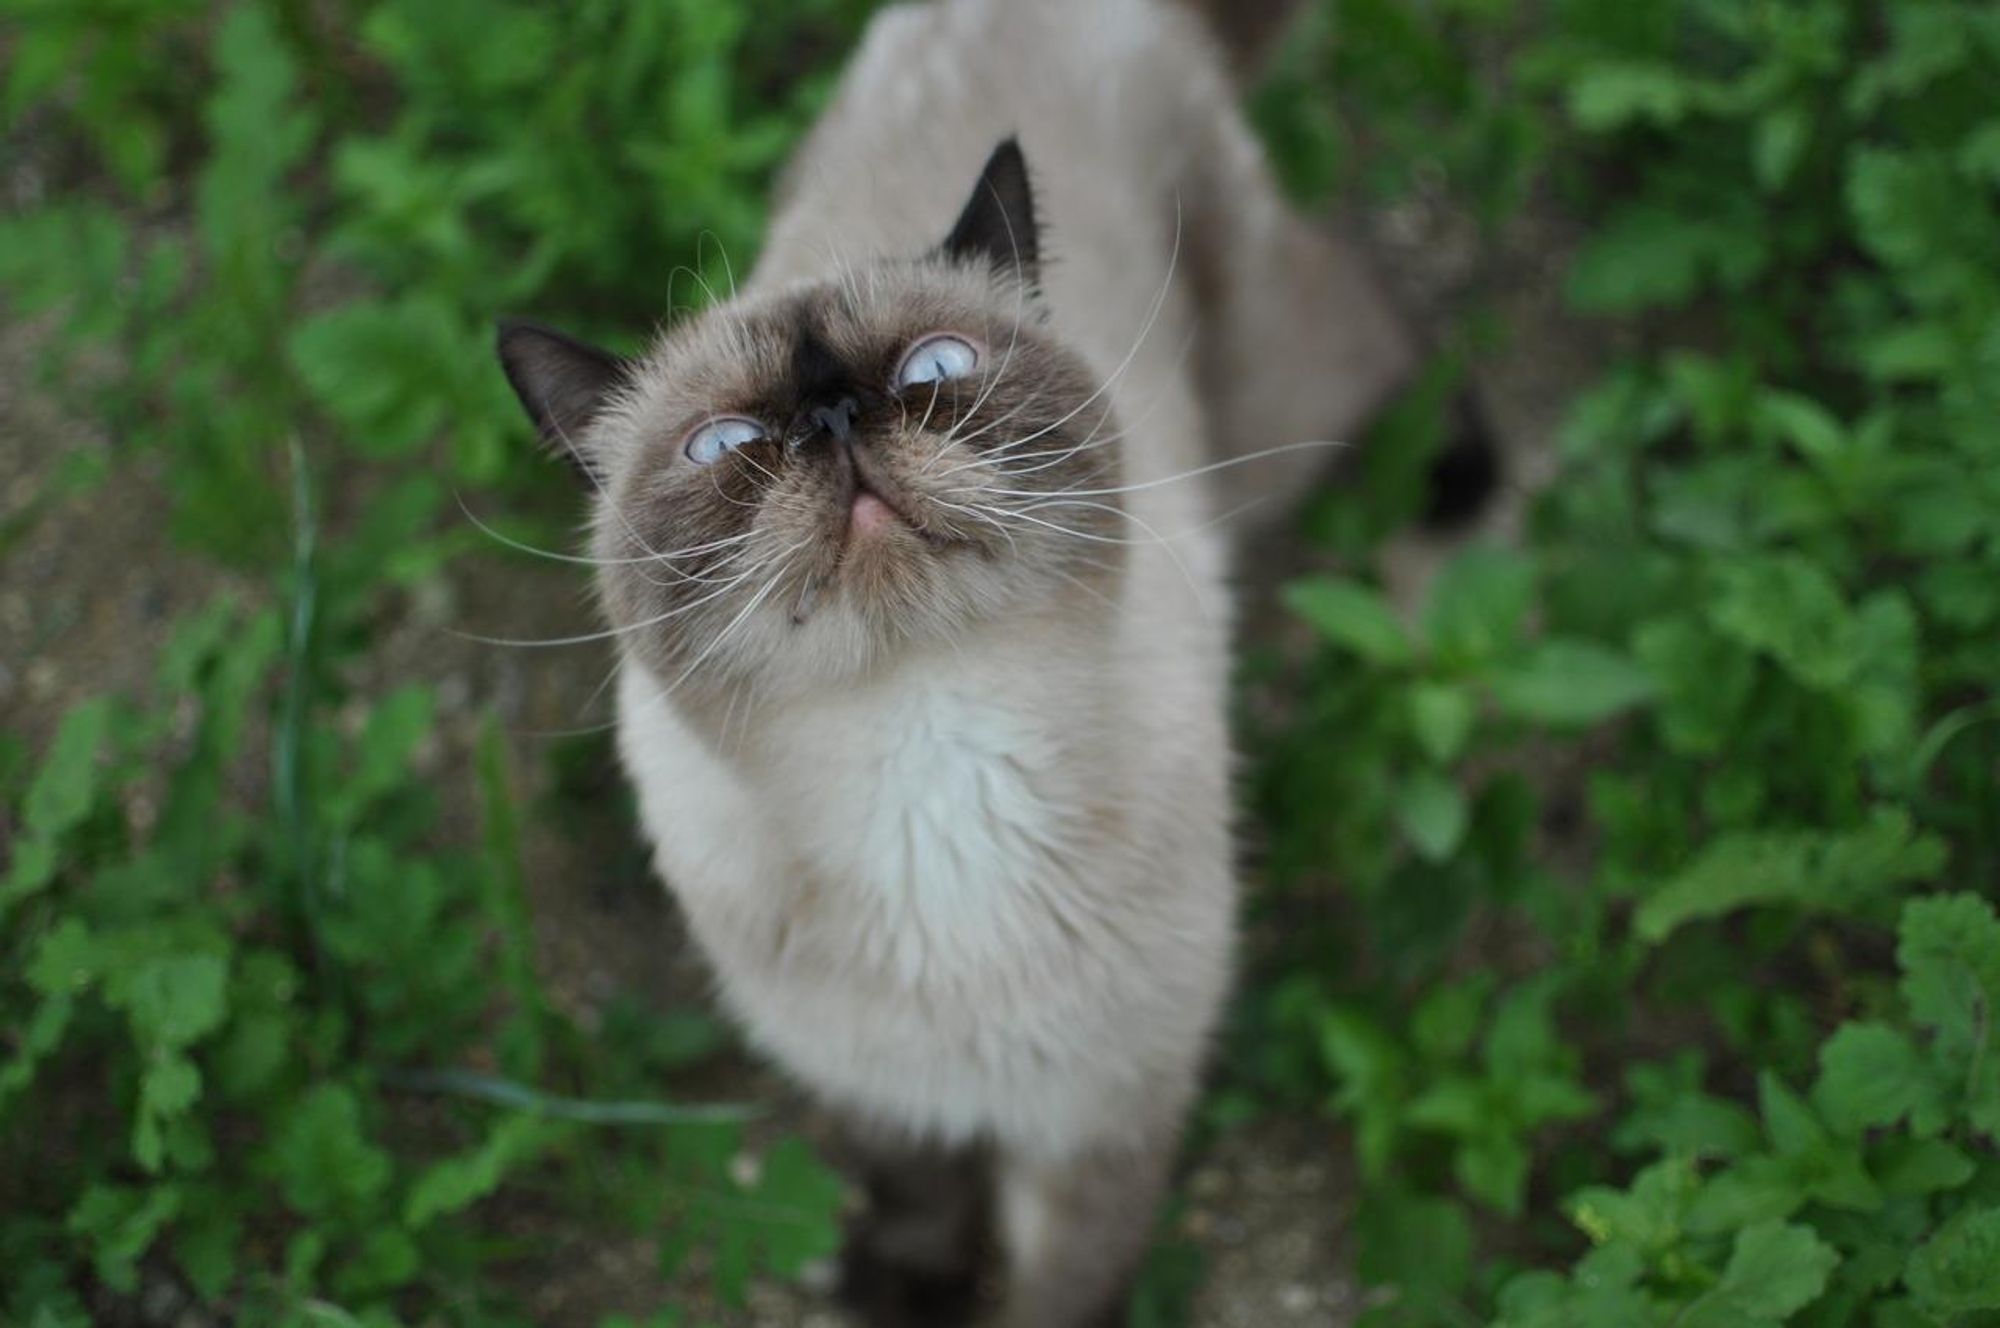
point(90, 589)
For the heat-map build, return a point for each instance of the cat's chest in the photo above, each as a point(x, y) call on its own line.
point(941, 796)
point(904, 832)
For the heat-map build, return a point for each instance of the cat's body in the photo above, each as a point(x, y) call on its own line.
point(979, 839)
point(963, 864)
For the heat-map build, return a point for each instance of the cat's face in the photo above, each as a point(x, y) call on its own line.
point(799, 482)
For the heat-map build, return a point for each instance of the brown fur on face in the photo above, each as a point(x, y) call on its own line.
point(719, 573)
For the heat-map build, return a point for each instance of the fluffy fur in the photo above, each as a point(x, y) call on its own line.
point(947, 804)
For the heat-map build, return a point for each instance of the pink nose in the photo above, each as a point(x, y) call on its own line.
point(870, 514)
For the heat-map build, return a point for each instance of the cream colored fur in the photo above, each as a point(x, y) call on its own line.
point(984, 892)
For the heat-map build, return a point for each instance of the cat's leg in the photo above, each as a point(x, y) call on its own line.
point(912, 1258)
point(1075, 1230)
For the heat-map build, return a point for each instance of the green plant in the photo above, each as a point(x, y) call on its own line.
point(240, 986)
point(274, 1035)
point(1630, 823)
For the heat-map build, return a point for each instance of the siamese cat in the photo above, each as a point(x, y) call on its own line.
point(910, 552)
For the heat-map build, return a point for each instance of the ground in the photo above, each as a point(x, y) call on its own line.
point(89, 591)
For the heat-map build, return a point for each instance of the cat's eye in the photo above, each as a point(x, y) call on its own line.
point(716, 438)
point(936, 359)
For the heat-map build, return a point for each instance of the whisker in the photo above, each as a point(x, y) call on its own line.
point(510, 542)
point(721, 589)
point(735, 622)
point(1145, 331)
point(1013, 340)
point(1265, 454)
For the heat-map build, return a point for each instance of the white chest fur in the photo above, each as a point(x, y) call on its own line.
point(925, 805)
point(893, 908)
point(988, 895)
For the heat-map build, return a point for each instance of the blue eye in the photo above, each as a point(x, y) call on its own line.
point(711, 441)
point(936, 359)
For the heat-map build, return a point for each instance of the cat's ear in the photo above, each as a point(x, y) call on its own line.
point(561, 381)
point(998, 224)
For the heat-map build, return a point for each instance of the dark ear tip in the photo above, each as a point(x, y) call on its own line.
point(507, 334)
point(509, 329)
point(1008, 159)
point(998, 224)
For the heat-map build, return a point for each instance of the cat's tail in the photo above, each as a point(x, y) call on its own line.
point(1302, 338)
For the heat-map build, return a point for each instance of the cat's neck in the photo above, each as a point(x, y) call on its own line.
point(1050, 661)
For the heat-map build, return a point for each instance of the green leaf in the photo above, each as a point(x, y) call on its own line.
point(386, 1259)
point(1804, 869)
point(1757, 1189)
point(118, 1224)
point(1646, 1216)
point(1571, 684)
point(1441, 716)
point(1456, 1104)
point(372, 368)
point(43, 1034)
point(1805, 424)
point(1957, 1271)
point(62, 794)
point(1419, 1244)
point(1871, 1075)
point(1789, 608)
point(1774, 1271)
point(207, 1242)
point(1949, 950)
point(1449, 1018)
point(1670, 1112)
point(1493, 1168)
point(1609, 94)
point(1791, 1124)
point(178, 999)
point(1352, 616)
point(1920, 1166)
point(1649, 257)
point(1433, 812)
point(1909, 210)
point(398, 723)
point(1781, 138)
point(170, 1086)
point(1368, 1070)
point(322, 1159)
point(1979, 155)
point(455, 1183)
point(1478, 605)
point(805, 1199)
point(1705, 682)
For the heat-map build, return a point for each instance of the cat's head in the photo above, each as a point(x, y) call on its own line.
point(804, 479)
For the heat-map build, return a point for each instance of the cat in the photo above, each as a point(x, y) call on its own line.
point(910, 549)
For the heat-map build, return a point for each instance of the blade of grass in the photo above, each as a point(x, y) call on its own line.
point(503, 1092)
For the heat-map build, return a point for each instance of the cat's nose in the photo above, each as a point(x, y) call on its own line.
point(836, 419)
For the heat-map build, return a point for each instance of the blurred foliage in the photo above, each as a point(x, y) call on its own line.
point(1662, 985)
point(1668, 842)
point(274, 1039)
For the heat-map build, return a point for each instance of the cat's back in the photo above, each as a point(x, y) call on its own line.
point(1102, 93)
